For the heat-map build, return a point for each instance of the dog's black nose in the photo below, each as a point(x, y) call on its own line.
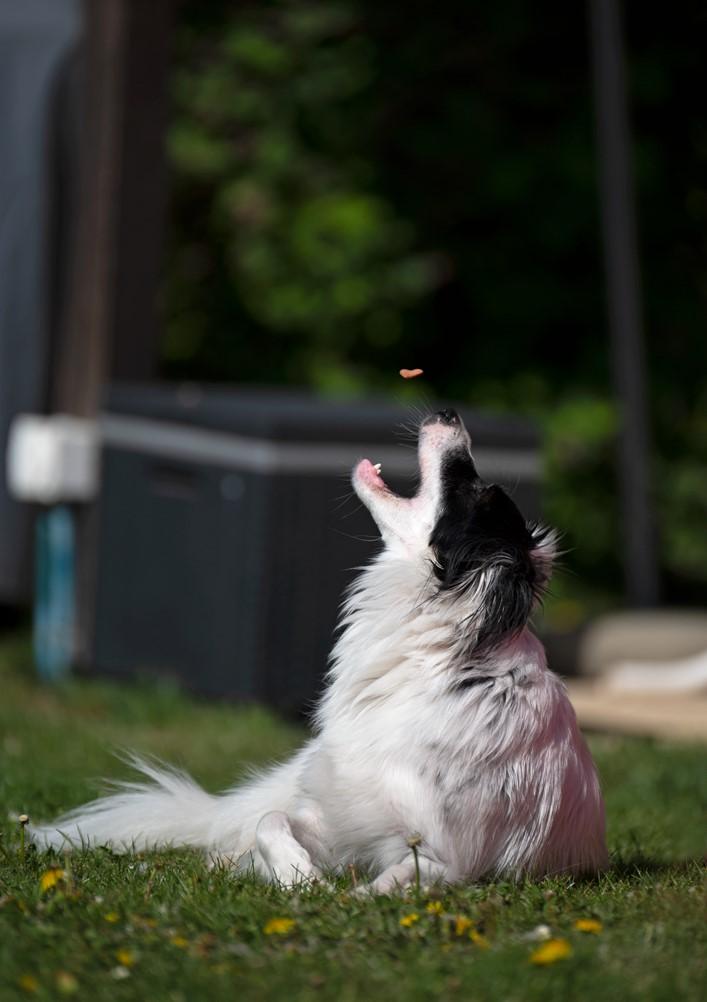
point(447, 416)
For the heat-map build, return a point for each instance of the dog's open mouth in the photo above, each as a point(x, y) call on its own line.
point(438, 433)
point(370, 474)
point(406, 518)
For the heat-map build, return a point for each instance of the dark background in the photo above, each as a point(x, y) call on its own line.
point(357, 187)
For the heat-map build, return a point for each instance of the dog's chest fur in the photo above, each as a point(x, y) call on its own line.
point(402, 748)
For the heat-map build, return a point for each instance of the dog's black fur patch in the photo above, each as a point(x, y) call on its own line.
point(480, 529)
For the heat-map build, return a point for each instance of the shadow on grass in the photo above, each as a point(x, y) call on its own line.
point(640, 865)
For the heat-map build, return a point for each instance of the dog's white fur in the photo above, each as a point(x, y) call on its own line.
point(494, 778)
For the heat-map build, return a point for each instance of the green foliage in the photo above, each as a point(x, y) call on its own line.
point(683, 494)
point(161, 925)
point(580, 436)
point(356, 190)
point(311, 253)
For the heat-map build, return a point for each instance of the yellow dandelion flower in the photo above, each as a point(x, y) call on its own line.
point(28, 983)
point(434, 908)
point(278, 926)
point(180, 942)
point(50, 878)
point(479, 940)
point(588, 925)
point(112, 917)
point(550, 952)
point(407, 920)
point(66, 983)
point(125, 957)
point(462, 925)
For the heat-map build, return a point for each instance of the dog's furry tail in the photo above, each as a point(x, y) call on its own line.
point(168, 809)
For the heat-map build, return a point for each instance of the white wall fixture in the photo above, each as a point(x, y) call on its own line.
point(52, 459)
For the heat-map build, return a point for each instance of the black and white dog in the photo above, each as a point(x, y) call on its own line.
point(441, 719)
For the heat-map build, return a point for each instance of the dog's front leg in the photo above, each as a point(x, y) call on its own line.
point(401, 875)
point(279, 857)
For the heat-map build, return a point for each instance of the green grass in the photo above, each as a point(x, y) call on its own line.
point(192, 934)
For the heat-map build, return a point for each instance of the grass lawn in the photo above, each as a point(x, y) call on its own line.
point(161, 926)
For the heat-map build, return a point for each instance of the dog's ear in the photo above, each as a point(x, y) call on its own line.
point(506, 599)
point(544, 551)
point(477, 534)
point(499, 561)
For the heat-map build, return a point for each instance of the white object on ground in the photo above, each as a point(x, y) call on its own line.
point(52, 458)
point(539, 934)
point(645, 635)
point(682, 675)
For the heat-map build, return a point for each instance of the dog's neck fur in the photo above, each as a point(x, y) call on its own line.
point(397, 628)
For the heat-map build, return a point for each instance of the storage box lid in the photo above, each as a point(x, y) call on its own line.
point(289, 415)
point(281, 431)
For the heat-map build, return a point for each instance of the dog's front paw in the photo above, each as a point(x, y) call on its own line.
point(297, 878)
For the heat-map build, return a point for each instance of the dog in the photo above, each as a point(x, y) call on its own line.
point(444, 750)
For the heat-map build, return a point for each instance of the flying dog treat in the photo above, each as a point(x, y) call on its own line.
point(410, 373)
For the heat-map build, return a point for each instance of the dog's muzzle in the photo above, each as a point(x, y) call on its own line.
point(446, 417)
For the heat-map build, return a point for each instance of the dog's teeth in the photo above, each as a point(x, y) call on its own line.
point(377, 468)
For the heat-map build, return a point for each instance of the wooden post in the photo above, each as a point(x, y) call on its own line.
point(110, 327)
point(624, 304)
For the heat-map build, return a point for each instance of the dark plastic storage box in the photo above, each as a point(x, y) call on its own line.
point(225, 537)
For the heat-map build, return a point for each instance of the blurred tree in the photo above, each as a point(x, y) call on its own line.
point(358, 186)
point(285, 219)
